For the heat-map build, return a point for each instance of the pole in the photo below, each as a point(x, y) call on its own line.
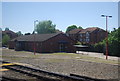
point(106, 38)
point(106, 34)
point(34, 37)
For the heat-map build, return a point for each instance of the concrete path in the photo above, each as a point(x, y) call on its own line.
point(98, 55)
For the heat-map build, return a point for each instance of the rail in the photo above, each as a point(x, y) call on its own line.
point(45, 75)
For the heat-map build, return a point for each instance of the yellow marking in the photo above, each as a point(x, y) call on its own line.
point(14, 63)
point(4, 69)
point(7, 64)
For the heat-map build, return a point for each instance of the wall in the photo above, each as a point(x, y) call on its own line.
point(52, 44)
point(11, 44)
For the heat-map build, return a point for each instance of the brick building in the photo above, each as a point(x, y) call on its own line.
point(10, 33)
point(89, 35)
point(74, 34)
point(55, 42)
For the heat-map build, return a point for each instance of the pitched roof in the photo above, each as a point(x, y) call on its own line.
point(74, 31)
point(8, 31)
point(38, 37)
point(89, 30)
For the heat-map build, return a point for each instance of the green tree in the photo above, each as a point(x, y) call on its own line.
point(27, 33)
point(44, 27)
point(19, 33)
point(80, 27)
point(69, 28)
point(113, 43)
point(6, 29)
point(5, 39)
point(99, 47)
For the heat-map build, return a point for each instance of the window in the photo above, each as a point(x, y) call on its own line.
point(67, 34)
point(84, 40)
point(37, 44)
point(87, 34)
point(80, 39)
point(51, 43)
point(80, 35)
point(40, 44)
point(87, 39)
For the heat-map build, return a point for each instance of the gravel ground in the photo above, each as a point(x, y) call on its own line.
point(66, 64)
point(17, 76)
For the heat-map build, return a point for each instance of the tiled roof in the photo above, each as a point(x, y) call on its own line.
point(38, 37)
point(89, 30)
point(8, 31)
point(74, 31)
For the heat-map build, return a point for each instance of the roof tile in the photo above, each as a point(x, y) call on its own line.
point(74, 31)
point(38, 37)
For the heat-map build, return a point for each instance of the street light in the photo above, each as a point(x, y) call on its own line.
point(34, 35)
point(106, 34)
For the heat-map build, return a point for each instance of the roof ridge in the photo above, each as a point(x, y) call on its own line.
point(76, 30)
point(38, 37)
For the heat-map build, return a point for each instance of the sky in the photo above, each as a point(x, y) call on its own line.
point(20, 16)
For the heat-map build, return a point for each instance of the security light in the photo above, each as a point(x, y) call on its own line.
point(109, 16)
point(102, 15)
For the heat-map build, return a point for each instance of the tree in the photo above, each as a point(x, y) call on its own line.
point(80, 27)
point(69, 28)
point(6, 29)
point(113, 42)
point(5, 39)
point(27, 33)
point(57, 30)
point(45, 27)
point(19, 33)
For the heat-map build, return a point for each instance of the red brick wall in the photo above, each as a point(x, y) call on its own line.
point(11, 45)
point(74, 36)
point(97, 37)
point(101, 36)
point(52, 45)
point(94, 37)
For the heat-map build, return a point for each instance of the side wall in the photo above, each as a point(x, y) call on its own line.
point(52, 44)
point(11, 45)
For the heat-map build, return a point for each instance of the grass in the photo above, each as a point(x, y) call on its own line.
point(98, 60)
point(11, 58)
point(54, 60)
point(65, 54)
point(87, 58)
point(17, 55)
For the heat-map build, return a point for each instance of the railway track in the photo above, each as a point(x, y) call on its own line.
point(41, 75)
point(8, 79)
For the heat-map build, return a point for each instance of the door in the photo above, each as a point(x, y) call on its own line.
point(62, 47)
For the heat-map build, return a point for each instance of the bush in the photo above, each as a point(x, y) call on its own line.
point(5, 40)
point(113, 44)
point(99, 47)
point(78, 43)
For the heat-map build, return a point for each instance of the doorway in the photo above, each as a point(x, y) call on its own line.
point(62, 47)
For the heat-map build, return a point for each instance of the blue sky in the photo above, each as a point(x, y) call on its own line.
point(20, 16)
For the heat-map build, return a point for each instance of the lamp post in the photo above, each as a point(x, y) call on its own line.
point(34, 35)
point(106, 34)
